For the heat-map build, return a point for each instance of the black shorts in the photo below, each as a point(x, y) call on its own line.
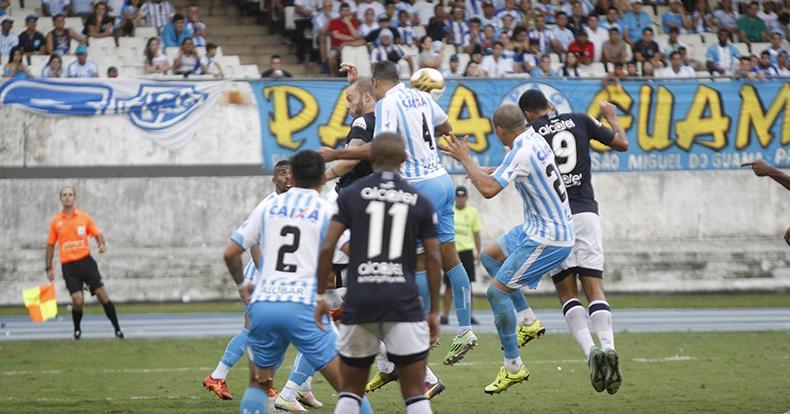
point(82, 272)
point(468, 261)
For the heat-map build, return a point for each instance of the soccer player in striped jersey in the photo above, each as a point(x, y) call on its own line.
point(532, 249)
point(290, 229)
point(569, 136)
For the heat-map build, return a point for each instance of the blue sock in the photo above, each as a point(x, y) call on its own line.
point(519, 300)
point(365, 407)
point(254, 401)
point(301, 371)
point(421, 278)
point(505, 320)
point(462, 298)
point(235, 349)
point(491, 265)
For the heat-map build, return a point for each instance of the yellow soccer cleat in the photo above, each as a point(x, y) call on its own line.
point(379, 380)
point(505, 379)
point(528, 332)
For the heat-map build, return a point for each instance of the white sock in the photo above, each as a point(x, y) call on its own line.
point(527, 316)
point(334, 298)
point(289, 391)
point(385, 365)
point(347, 403)
point(220, 372)
point(422, 406)
point(601, 318)
point(576, 318)
point(463, 329)
point(430, 377)
point(307, 385)
point(513, 365)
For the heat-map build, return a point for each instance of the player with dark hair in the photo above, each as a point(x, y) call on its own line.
point(762, 169)
point(387, 217)
point(569, 136)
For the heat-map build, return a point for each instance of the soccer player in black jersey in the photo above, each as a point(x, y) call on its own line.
point(387, 217)
point(569, 136)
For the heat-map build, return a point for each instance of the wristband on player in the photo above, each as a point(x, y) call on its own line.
point(246, 283)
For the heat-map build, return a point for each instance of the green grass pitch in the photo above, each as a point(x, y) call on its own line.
point(663, 373)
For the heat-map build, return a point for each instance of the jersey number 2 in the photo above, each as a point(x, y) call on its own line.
point(550, 170)
point(288, 248)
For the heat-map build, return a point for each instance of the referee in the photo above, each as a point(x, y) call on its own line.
point(467, 241)
point(70, 229)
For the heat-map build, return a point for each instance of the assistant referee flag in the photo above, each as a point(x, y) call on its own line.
point(40, 302)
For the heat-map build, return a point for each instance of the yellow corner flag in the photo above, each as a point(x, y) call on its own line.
point(40, 302)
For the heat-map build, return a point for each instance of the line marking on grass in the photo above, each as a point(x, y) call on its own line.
point(674, 358)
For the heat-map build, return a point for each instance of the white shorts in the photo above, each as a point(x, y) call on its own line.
point(402, 339)
point(586, 258)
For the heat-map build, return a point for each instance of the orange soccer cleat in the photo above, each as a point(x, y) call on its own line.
point(217, 386)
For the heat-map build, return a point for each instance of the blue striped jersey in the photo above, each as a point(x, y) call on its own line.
point(290, 229)
point(531, 168)
point(413, 115)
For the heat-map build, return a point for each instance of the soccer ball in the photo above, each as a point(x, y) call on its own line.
point(428, 80)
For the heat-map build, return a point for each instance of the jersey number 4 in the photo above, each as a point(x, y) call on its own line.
point(288, 248)
point(426, 132)
point(399, 213)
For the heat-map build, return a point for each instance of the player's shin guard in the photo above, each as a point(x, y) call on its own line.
point(505, 320)
point(462, 296)
point(254, 401)
point(491, 265)
point(601, 318)
point(576, 318)
point(233, 352)
point(418, 405)
point(348, 403)
point(421, 279)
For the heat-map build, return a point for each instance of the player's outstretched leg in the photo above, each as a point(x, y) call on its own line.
point(465, 340)
point(298, 392)
point(215, 382)
point(513, 370)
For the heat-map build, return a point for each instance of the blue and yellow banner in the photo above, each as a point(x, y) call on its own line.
point(671, 125)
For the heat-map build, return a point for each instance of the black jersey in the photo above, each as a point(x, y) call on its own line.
point(361, 128)
point(386, 216)
point(569, 136)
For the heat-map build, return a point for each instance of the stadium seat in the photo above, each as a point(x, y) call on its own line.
point(74, 23)
point(38, 60)
point(419, 31)
point(130, 72)
point(555, 59)
point(597, 69)
point(758, 48)
point(171, 52)
point(698, 53)
point(742, 47)
point(231, 60)
point(131, 43)
point(661, 38)
point(359, 56)
point(447, 51)
point(463, 60)
point(404, 70)
point(101, 46)
point(290, 23)
point(693, 40)
point(709, 38)
point(44, 25)
point(248, 72)
point(145, 32)
point(105, 62)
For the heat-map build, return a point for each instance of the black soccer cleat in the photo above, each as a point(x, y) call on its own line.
point(119, 334)
point(77, 335)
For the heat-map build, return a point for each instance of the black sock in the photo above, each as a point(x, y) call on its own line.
point(76, 316)
point(109, 310)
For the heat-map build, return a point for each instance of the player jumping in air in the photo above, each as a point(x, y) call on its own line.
point(530, 250)
point(569, 136)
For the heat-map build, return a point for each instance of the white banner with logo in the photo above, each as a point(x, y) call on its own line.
point(165, 112)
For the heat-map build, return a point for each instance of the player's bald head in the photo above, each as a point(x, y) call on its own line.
point(388, 151)
point(509, 117)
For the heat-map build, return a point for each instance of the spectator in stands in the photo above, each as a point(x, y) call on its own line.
point(16, 68)
point(596, 35)
point(422, 12)
point(631, 69)
point(112, 72)
point(571, 67)
point(614, 50)
point(744, 71)
point(99, 23)
point(672, 44)
point(541, 34)
point(508, 25)
point(377, 7)
point(635, 21)
point(510, 9)
point(783, 63)
point(157, 13)
point(487, 42)
point(473, 8)
point(82, 67)
point(130, 17)
point(405, 5)
point(765, 69)
point(612, 20)
point(676, 68)
point(750, 27)
point(210, 61)
point(583, 50)
point(561, 36)
point(384, 23)
point(276, 70)
point(528, 13)
point(531, 59)
point(155, 63)
point(321, 32)
point(546, 9)
point(344, 32)
point(59, 39)
point(391, 11)
point(578, 18)
point(615, 75)
point(114, 9)
point(188, 62)
point(489, 17)
point(544, 69)
point(676, 18)
point(497, 65)
point(8, 39)
point(768, 15)
point(783, 25)
point(54, 68)
point(648, 69)
point(646, 49)
point(369, 24)
point(31, 40)
point(693, 63)
point(721, 56)
point(428, 57)
point(457, 28)
point(387, 49)
point(198, 27)
point(725, 17)
point(54, 7)
point(508, 49)
point(437, 26)
point(473, 70)
point(303, 15)
point(82, 8)
point(775, 49)
point(455, 71)
point(405, 29)
point(702, 19)
point(176, 31)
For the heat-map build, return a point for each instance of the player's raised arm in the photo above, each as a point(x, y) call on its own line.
point(486, 184)
point(324, 270)
point(361, 152)
point(762, 169)
point(620, 141)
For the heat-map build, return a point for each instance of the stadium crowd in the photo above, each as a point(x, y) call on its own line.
point(549, 38)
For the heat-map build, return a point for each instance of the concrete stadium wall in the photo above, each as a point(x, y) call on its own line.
point(663, 232)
